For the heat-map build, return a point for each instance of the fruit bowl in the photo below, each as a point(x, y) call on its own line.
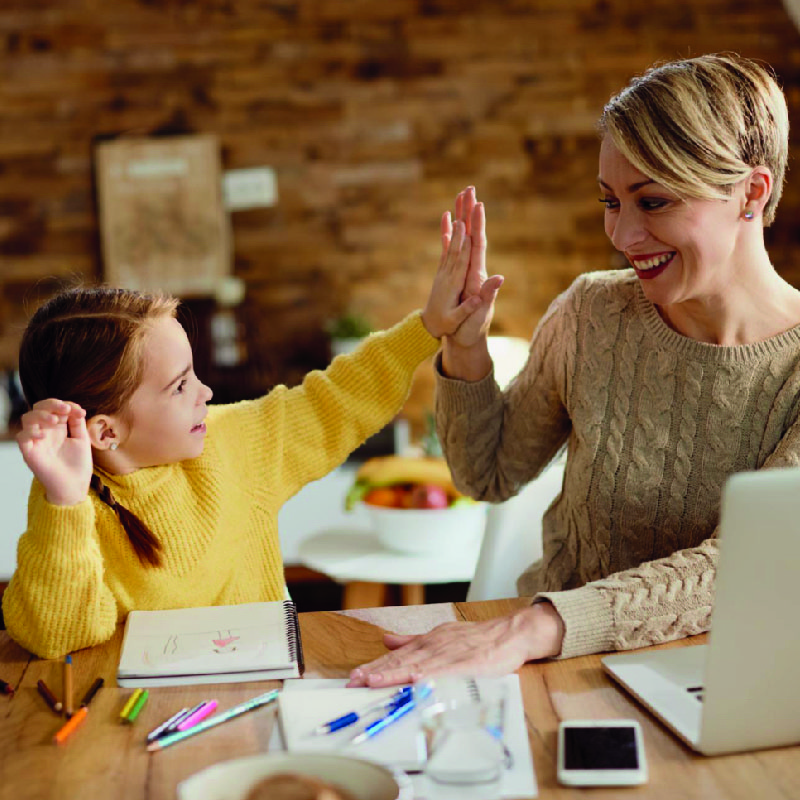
point(428, 530)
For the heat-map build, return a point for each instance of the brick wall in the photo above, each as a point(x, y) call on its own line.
point(373, 113)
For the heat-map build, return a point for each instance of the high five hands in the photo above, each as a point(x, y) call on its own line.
point(461, 301)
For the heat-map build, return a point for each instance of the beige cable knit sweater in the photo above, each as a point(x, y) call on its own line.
point(654, 423)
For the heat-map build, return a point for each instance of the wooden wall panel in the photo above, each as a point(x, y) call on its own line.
point(373, 114)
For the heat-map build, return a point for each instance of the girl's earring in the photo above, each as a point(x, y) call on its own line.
point(113, 446)
point(749, 213)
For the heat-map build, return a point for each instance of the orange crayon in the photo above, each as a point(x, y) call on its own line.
point(74, 721)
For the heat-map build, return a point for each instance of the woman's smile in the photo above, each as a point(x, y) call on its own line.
point(651, 265)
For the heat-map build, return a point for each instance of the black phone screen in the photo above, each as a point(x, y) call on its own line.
point(600, 748)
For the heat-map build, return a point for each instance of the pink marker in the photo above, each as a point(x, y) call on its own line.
point(201, 713)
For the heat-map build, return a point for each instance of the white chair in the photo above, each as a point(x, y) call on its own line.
point(513, 537)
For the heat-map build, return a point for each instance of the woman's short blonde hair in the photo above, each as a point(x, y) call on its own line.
point(698, 126)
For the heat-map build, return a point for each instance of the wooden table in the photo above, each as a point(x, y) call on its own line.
point(105, 759)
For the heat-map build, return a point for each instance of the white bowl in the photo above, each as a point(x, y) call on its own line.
point(427, 530)
point(232, 780)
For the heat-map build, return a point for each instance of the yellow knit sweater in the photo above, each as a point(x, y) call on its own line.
point(215, 516)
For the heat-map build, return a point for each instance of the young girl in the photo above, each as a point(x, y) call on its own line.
point(145, 497)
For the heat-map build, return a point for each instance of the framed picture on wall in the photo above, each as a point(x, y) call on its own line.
point(163, 226)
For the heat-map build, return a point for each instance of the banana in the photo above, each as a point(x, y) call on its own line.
point(391, 470)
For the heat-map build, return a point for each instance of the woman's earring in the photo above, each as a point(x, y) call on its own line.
point(749, 213)
point(113, 446)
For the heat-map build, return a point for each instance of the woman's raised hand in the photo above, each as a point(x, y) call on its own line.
point(55, 445)
point(471, 213)
point(446, 310)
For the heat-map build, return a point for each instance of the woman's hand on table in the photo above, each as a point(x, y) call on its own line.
point(495, 647)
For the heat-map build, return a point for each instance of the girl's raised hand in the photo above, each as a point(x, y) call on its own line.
point(55, 445)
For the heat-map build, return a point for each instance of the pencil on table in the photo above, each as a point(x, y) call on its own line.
point(210, 722)
point(87, 698)
point(67, 686)
point(72, 723)
point(49, 697)
point(80, 715)
point(165, 726)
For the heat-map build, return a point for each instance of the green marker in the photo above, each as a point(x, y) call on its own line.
point(137, 707)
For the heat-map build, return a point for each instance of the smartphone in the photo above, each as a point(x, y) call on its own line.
point(601, 752)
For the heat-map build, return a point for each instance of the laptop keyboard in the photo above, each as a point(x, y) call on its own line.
point(697, 691)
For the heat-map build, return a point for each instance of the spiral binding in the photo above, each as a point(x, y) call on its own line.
point(475, 695)
point(293, 635)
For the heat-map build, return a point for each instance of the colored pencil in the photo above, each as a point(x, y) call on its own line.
point(87, 698)
point(210, 722)
point(164, 726)
point(72, 723)
point(207, 708)
point(67, 686)
point(49, 697)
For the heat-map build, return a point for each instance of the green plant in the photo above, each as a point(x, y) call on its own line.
point(349, 326)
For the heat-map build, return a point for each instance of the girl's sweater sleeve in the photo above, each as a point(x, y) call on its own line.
point(57, 600)
point(294, 436)
point(656, 602)
point(495, 442)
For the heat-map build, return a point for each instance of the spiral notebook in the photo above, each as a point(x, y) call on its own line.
point(217, 644)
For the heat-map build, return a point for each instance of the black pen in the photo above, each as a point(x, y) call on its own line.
point(87, 698)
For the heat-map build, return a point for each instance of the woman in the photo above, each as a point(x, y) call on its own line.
point(661, 380)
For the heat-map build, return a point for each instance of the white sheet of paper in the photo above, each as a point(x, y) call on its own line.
point(401, 745)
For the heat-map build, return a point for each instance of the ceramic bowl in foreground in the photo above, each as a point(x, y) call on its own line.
point(232, 780)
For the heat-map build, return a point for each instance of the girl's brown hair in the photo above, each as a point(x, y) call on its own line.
point(85, 345)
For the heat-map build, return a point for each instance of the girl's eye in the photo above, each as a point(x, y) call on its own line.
point(180, 387)
point(609, 203)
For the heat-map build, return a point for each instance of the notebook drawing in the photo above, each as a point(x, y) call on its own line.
point(216, 644)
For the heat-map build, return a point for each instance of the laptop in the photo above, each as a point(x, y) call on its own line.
point(741, 691)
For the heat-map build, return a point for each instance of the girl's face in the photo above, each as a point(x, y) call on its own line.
point(680, 249)
point(163, 423)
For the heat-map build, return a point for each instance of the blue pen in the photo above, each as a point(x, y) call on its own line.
point(387, 704)
point(419, 693)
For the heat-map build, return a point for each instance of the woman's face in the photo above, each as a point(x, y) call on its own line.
point(681, 250)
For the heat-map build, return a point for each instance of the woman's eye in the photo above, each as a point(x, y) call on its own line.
point(609, 202)
point(652, 203)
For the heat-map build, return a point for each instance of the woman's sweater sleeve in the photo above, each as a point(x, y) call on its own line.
point(656, 602)
point(57, 600)
point(495, 442)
